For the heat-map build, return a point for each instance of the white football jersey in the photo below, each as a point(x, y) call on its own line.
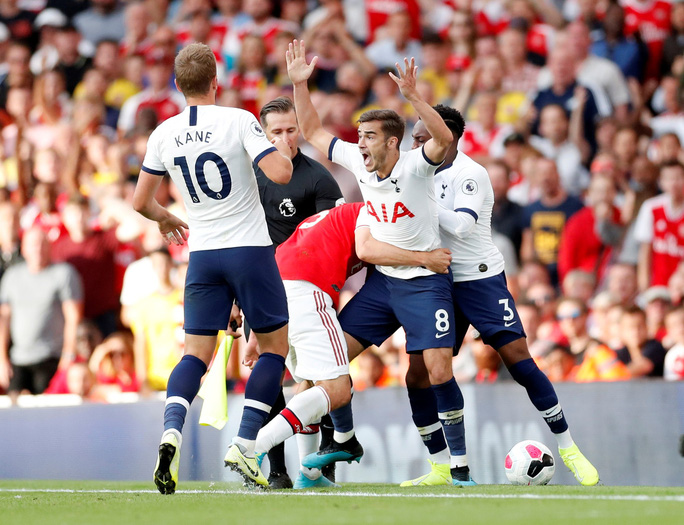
point(208, 151)
point(401, 208)
point(464, 186)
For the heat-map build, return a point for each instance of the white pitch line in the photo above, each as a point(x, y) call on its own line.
point(626, 497)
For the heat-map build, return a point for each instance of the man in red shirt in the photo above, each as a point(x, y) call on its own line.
point(92, 253)
point(314, 263)
point(659, 228)
point(589, 236)
point(651, 18)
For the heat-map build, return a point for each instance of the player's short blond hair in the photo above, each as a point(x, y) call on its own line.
point(195, 68)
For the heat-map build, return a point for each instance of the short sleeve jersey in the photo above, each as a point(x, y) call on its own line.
point(464, 186)
point(311, 190)
point(322, 249)
point(401, 207)
point(208, 151)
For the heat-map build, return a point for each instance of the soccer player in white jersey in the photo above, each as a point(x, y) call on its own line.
point(208, 152)
point(481, 299)
point(398, 190)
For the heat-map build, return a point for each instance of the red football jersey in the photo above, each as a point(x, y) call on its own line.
point(321, 250)
point(378, 11)
point(652, 19)
point(667, 245)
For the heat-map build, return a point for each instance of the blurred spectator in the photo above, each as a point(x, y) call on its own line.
point(462, 34)
point(651, 19)
point(136, 39)
point(559, 364)
point(545, 219)
point(396, 44)
point(666, 148)
point(673, 47)
point(599, 322)
point(43, 213)
point(92, 254)
point(579, 284)
point(672, 119)
point(19, 21)
point(370, 371)
point(157, 325)
point(103, 19)
point(17, 74)
point(40, 308)
point(164, 101)
point(519, 74)
point(673, 369)
point(642, 355)
point(655, 302)
point(561, 139)
point(434, 70)
point(572, 316)
point(589, 236)
point(567, 92)
point(490, 367)
point(616, 46)
point(10, 252)
point(71, 61)
point(483, 137)
point(507, 216)
point(48, 23)
point(621, 282)
point(659, 228)
point(113, 364)
point(249, 78)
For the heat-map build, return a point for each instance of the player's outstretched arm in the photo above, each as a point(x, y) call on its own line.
point(435, 148)
point(373, 251)
point(309, 122)
point(171, 227)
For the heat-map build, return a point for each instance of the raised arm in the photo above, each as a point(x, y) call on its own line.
point(373, 251)
point(436, 148)
point(307, 117)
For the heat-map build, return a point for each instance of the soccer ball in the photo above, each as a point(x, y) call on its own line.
point(529, 463)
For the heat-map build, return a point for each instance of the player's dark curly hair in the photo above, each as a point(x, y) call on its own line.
point(452, 118)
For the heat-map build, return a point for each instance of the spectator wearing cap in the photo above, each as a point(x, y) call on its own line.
point(48, 23)
point(643, 355)
point(103, 19)
point(591, 234)
point(397, 43)
point(519, 74)
point(655, 302)
point(159, 97)
point(72, 62)
point(659, 229)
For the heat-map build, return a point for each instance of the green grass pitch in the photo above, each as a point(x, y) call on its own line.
point(200, 503)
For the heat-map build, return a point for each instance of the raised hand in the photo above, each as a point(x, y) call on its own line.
point(407, 78)
point(297, 68)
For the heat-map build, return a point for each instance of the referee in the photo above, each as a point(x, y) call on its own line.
point(311, 190)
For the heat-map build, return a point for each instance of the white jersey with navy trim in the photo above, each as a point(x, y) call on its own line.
point(464, 187)
point(401, 207)
point(208, 151)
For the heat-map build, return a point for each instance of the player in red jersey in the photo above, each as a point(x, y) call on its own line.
point(660, 229)
point(322, 253)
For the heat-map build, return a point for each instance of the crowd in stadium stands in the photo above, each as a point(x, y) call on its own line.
point(575, 107)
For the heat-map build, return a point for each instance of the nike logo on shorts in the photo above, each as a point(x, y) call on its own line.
point(510, 324)
point(439, 336)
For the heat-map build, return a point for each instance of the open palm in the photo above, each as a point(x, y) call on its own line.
point(297, 68)
point(407, 77)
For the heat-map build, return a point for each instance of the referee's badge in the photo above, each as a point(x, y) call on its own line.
point(287, 209)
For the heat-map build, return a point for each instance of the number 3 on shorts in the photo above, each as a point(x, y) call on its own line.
point(508, 313)
point(442, 323)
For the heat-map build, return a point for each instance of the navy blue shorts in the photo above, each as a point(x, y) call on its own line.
point(217, 277)
point(489, 307)
point(422, 305)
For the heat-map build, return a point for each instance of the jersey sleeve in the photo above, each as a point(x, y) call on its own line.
point(71, 288)
point(346, 155)
point(152, 163)
point(469, 197)
point(253, 137)
point(419, 163)
point(362, 220)
point(327, 192)
point(643, 226)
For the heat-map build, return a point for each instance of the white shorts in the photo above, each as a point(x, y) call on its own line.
point(318, 350)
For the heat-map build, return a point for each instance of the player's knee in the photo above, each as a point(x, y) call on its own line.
point(338, 390)
point(417, 378)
